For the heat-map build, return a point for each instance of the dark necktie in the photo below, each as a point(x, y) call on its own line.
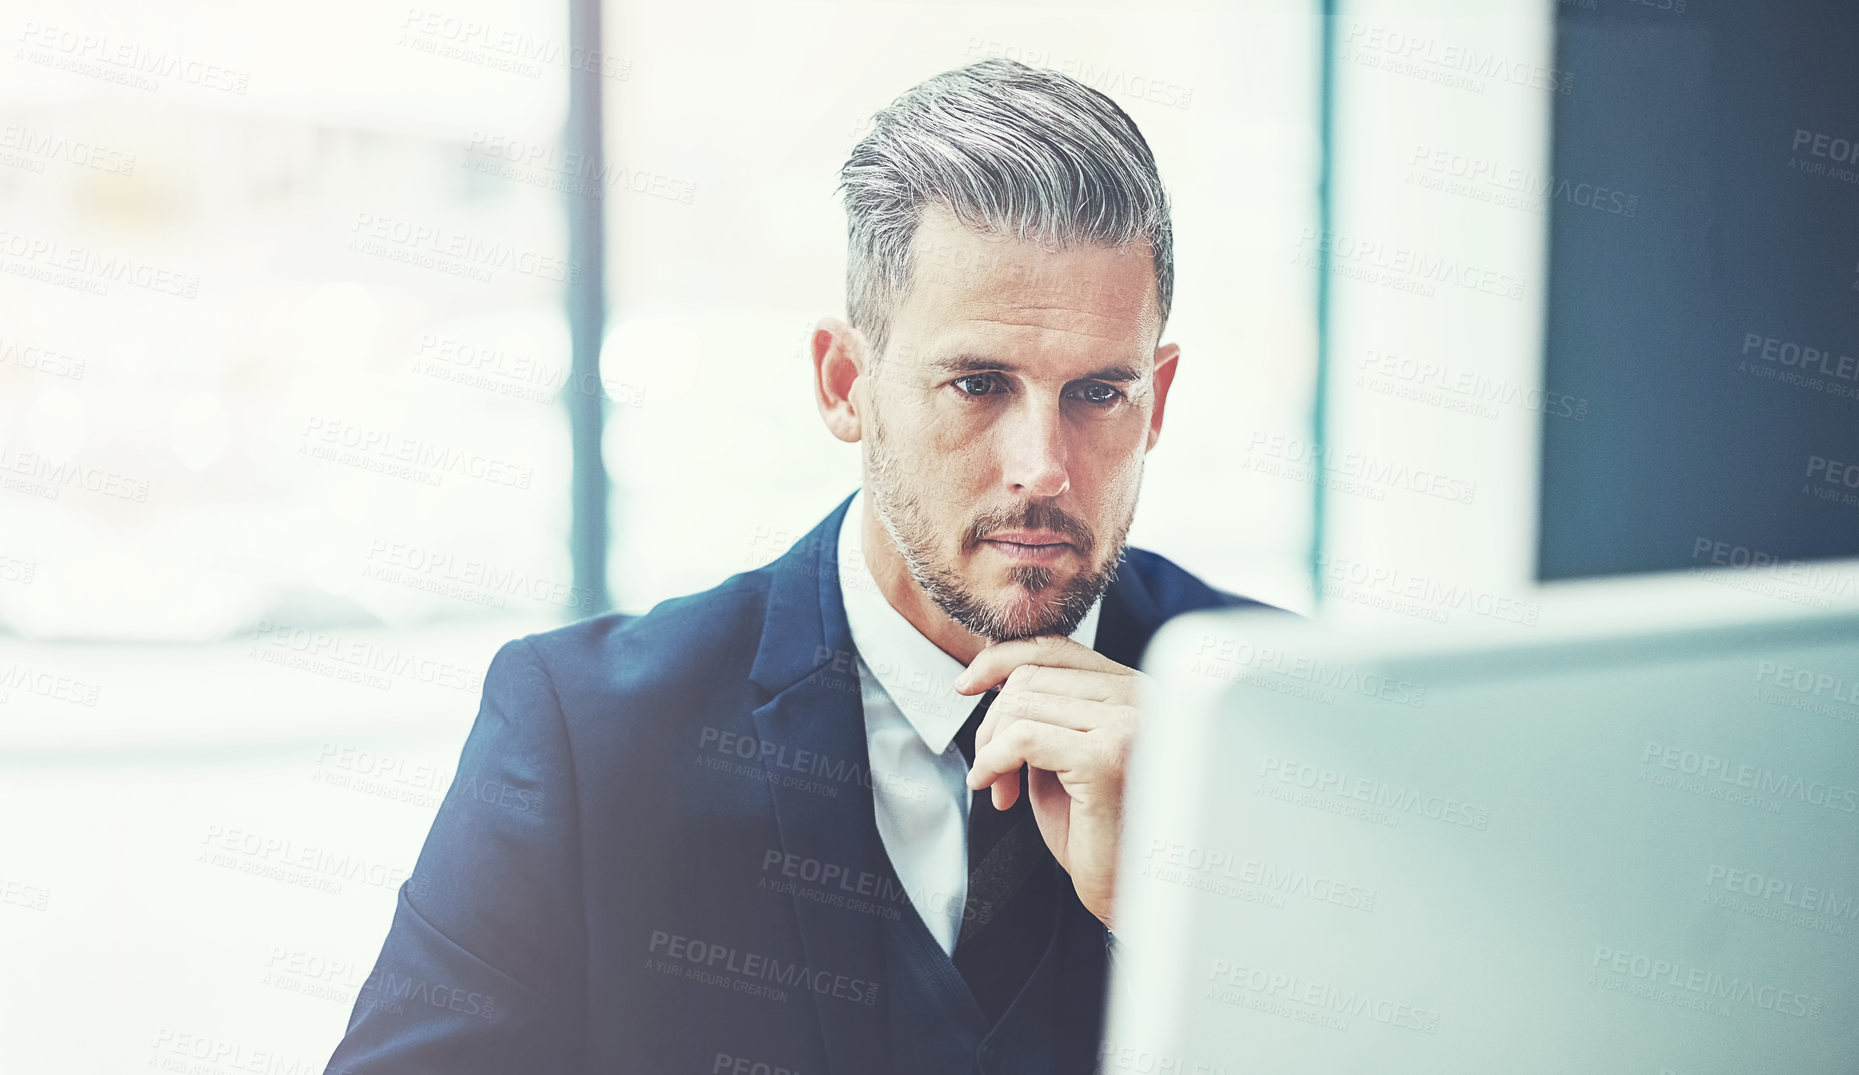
point(1008, 918)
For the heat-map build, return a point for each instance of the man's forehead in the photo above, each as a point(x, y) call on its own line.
point(952, 261)
point(951, 343)
point(1087, 367)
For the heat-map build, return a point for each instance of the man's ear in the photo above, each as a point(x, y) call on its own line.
point(1166, 359)
point(840, 358)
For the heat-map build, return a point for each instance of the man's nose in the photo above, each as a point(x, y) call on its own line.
point(1033, 451)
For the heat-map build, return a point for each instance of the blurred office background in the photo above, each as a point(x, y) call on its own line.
point(293, 434)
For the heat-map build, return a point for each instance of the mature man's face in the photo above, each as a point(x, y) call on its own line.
point(1008, 420)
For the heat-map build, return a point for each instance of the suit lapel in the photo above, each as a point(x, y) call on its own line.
point(1128, 619)
point(823, 800)
point(805, 662)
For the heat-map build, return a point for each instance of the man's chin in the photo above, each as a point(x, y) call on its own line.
point(1013, 590)
point(1021, 613)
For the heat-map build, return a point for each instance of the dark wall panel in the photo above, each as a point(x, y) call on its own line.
point(1708, 306)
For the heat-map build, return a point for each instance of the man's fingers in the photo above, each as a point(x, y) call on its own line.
point(1078, 714)
point(1076, 682)
point(993, 665)
point(1031, 742)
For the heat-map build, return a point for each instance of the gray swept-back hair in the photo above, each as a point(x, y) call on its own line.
point(1010, 150)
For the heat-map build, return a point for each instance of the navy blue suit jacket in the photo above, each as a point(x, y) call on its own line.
point(660, 854)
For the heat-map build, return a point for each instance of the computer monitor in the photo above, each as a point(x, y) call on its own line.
point(1626, 844)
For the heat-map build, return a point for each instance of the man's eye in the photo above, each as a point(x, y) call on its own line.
point(1100, 394)
point(983, 380)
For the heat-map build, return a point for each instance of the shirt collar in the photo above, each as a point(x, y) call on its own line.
point(915, 672)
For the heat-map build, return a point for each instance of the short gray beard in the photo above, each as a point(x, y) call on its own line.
point(903, 518)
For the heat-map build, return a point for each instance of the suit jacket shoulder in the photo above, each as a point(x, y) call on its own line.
point(688, 646)
point(617, 801)
point(711, 637)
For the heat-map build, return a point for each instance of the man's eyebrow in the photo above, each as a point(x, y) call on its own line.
point(1118, 374)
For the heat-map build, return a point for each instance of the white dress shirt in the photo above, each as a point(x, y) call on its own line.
point(919, 777)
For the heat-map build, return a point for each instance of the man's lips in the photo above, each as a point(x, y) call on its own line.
point(1026, 537)
point(1028, 548)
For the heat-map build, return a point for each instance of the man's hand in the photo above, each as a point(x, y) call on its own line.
point(1070, 713)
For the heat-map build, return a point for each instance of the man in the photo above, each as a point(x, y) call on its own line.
point(856, 811)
